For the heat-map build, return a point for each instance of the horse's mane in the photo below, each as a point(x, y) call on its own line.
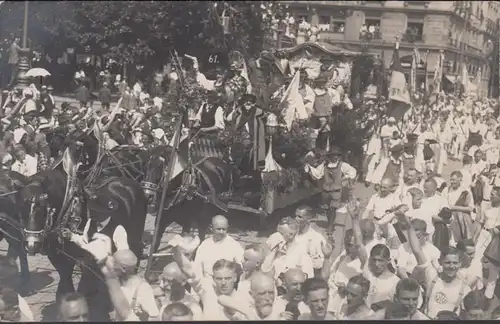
point(49, 182)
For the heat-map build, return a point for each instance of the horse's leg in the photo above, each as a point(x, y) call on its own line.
point(95, 291)
point(64, 267)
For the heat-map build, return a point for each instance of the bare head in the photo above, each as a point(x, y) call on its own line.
point(293, 280)
point(219, 225)
point(171, 273)
point(263, 292)
point(386, 186)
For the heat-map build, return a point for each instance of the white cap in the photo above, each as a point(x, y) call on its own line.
point(391, 119)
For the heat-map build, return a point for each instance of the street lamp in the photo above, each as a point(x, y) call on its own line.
point(22, 81)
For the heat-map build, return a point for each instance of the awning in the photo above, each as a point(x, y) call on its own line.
point(451, 78)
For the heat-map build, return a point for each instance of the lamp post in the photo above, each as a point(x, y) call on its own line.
point(22, 81)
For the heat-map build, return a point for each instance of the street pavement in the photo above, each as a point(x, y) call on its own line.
point(44, 279)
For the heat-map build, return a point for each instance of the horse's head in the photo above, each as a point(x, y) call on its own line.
point(40, 198)
point(37, 217)
point(154, 173)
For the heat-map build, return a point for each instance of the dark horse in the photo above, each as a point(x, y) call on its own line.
point(196, 195)
point(57, 202)
point(10, 218)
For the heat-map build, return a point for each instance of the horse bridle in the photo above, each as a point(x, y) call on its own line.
point(49, 220)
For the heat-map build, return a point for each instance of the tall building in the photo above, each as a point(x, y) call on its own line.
point(466, 31)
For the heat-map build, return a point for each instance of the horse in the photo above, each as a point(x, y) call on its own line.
point(56, 202)
point(10, 218)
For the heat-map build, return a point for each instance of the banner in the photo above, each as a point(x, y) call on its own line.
point(292, 104)
point(438, 74)
point(398, 88)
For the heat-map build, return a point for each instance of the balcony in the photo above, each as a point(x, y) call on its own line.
point(370, 33)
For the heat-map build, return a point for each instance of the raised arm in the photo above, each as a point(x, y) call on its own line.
point(415, 246)
point(353, 211)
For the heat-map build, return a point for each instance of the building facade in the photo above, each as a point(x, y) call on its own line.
point(465, 31)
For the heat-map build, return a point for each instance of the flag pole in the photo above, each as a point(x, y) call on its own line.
point(168, 174)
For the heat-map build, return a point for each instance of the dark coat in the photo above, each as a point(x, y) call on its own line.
point(83, 94)
point(105, 95)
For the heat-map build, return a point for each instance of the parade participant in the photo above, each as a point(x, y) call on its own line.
point(466, 171)
point(444, 289)
point(173, 286)
point(14, 55)
point(475, 307)
point(8, 277)
point(25, 164)
point(461, 129)
point(249, 117)
point(73, 308)
point(253, 256)
point(388, 129)
point(83, 94)
point(285, 252)
point(177, 312)
point(406, 261)
point(337, 177)
point(353, 306)
point(411, 180)
point(306, 92)
point(228, 248)
point(472, 267)
point(310, 237)
point(137, 291)
point(292, 300)
point(322, 112)
point(105, 96)
point(461, 203)
point(407, 296)
point(210, 289)
point(490, 230)
point(375, 265)
point(338, 271)
point(372, 156)
point(13, 98)
point(210, 116)
point(315, 292)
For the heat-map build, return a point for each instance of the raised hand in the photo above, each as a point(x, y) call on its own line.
point(326, 248)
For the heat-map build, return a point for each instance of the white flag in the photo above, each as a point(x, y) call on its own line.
point(292, 104)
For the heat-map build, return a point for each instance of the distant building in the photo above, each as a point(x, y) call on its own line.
point(466, 31)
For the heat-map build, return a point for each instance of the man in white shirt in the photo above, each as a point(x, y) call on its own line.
point(310, 237)
point(25, 164)
point(406, 261)
point(211, 289)
point(218, 246)
point(287, 253)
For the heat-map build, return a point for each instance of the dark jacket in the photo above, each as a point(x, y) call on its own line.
point(105, 95)
point(82, 94)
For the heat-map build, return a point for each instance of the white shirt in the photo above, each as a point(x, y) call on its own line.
point(443, 296)
point(145, 299)
point(28, 167)
point(204, 82)
point(296, 256)
point(406, 259)
point(382, 287)
point(313, 240)
point(318, 172)
point(431, 206)
point(378, 205)
point(210, 252)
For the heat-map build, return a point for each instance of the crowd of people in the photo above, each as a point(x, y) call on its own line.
point(416, 251)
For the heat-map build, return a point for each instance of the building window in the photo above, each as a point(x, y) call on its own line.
point(338, 25)
point(324, 23)
point(414, 31)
